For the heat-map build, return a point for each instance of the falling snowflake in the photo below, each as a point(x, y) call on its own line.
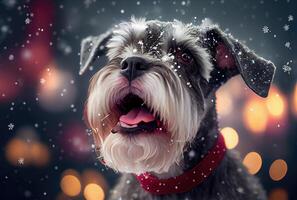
point(10, 126)
point(287, 69)
point(265, 29)
point(27, 21)
point(290, 18)
point(286, 27)
point(21, 161)
point(288, 45)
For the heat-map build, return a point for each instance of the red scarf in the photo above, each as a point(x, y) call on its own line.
point(189, 179)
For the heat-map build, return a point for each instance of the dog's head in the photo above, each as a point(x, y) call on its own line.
point(147, 103)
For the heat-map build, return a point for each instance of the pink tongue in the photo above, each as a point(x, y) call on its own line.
point(137, 115)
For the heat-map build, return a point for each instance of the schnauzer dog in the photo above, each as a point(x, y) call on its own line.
point(153, 114)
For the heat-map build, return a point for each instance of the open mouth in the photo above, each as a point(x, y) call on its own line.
point(135, 117)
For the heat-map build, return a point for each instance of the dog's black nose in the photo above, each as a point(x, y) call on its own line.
point(133, 67)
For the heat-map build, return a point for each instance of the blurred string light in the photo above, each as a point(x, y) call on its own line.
point(275, 103)
point(278, 170)
point(253, 162)
point(231, 137)
point(70, 183)
point(227, 96)
point(224, 103)
point(25, 149)
point(93, 183)
point(93, 191)
point(56, 89)
point(278, 194)
point(255, 115)
point(260, 115)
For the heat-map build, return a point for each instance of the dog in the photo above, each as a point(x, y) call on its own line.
point(152, 109)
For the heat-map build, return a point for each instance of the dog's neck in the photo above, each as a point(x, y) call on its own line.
point(204, 140)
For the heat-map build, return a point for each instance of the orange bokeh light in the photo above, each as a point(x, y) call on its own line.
point(255, 116)
point(278, 170)
point(33, 153)
point(39, 154)
point(17, 149)
point(231, 137)
point(224, 103)
point(70, 185)
point(275, 103)
point(93, 191)
point(253, 162)
point(92, 176)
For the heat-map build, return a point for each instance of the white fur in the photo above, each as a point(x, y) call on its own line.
point(144, 152)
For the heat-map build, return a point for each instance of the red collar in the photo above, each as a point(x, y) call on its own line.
point(189, 179)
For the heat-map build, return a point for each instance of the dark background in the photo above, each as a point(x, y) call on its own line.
point(42, 95)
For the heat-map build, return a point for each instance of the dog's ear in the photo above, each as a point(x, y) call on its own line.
point(230, 57)
point(91, 48)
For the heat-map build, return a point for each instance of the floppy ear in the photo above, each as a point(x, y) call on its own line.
point(91, 48)
point(230, 58)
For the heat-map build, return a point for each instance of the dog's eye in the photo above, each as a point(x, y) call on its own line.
point(185, 57)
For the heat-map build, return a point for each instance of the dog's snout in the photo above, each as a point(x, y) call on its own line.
point(133, 67)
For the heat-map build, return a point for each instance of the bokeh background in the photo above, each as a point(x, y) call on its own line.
point(46, 150)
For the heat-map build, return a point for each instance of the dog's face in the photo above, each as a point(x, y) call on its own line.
point(147, 103)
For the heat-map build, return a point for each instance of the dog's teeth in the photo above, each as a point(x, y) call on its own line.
point(124, 125)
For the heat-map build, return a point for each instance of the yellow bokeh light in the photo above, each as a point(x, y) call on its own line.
point(93, 191)
point(255, 116)
point(275, 103)
point(253, 162)
point(278, 194)
point(231, 137)
point(278, 170)
point(224, 103)
point(70, 185)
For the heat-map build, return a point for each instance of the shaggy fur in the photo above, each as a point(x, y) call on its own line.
point(180, 93)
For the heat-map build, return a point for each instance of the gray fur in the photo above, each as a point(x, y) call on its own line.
point(231, 179)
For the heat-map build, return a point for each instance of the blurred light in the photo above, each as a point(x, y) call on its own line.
point(17, 149)
point(231, 137)
point(255, 116)
point(295, 100)
point(76, 141)
point(39, 154)
point(224, 103)
point(93, 192)
point(278, 170)
point(92, 176)
point(278, 194)
point(33, 152)
point(275, 103)
point(56, 89)
point(253, 162)
point(70, 185)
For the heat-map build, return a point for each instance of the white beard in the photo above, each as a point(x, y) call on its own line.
point(145, 152)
